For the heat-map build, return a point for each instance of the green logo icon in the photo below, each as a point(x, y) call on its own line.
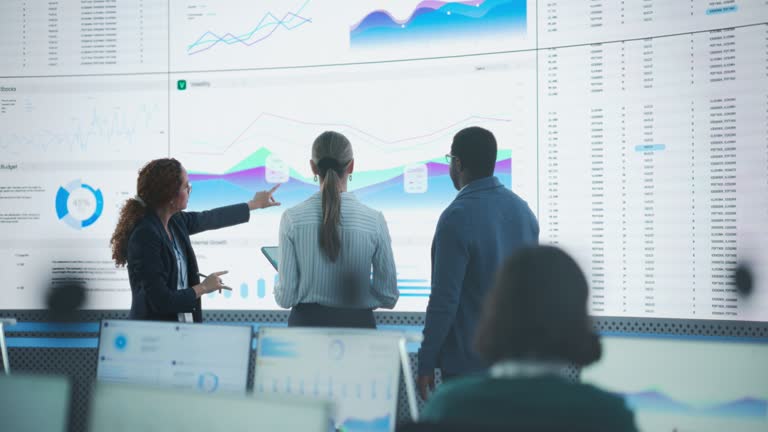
point(181, 84)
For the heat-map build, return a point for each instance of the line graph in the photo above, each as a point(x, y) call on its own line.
point(387, 144)
point(113, 132)
point(265, 28)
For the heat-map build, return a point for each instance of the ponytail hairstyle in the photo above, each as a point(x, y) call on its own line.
point(159, 182)
point(332, 154)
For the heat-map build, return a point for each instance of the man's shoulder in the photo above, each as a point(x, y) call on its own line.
point(507, 195)
point(456, 213)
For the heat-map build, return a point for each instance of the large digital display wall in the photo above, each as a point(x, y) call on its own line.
point(636, 131)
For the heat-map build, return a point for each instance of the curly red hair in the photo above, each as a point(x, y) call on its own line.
point(158, 183)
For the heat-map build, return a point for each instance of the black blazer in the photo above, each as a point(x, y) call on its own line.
point(152, 269)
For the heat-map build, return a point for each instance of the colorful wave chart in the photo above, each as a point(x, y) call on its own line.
point(660, 403)
point(379, 189)
point(433, 19)
point(265, 28)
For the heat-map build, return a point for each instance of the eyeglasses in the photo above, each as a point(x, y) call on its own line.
point(188, 187)
point(449, 157)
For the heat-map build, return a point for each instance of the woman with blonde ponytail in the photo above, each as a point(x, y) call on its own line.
point(336, 263)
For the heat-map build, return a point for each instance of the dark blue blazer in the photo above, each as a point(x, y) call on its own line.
point(152, 269)
point(485, 224)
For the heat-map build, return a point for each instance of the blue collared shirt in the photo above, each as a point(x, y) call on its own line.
point(306, 275)
point(485, 224)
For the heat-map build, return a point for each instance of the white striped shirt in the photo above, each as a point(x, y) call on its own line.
point(306, 275)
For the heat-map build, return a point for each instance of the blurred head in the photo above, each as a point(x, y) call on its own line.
point(162, 185)
point(473, 154)
point(64, 299)
point(333, 161)
point(537, 310)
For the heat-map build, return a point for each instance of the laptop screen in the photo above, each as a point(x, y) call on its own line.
point(31, 403)
point(687, 383)
point(209, 358)
point(358, 369)
point(121, 407)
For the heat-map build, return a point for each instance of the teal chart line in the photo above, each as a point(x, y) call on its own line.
point(286, 22)
point(377, 142)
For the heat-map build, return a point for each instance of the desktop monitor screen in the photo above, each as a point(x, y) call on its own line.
point(121, 407)
point(691, 384)
point(31, 403)
point(357, 369)
point(209, 358)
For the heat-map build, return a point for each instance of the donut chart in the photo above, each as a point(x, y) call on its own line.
point(78, 204)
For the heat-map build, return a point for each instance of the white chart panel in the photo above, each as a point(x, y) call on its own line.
point(244, 132)
point(653, 171)
point(236, 34)
point(564, 23)
point(84, 119)
point(71, 148)
point(64, 37)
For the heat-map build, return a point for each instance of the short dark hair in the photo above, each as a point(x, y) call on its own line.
point(538, 309)
point(476, 148)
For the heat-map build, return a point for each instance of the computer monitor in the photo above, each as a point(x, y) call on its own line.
point(690, 384)
point(357, 369)
point(130, 408)
point(209, 358)
point(32, 403)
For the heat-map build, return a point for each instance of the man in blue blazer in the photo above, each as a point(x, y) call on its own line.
point(484, 224)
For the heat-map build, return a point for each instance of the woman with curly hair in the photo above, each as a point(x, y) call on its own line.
point(152, 238)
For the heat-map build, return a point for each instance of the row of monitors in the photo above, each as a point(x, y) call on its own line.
point(358, 370)
point(40, 403)
point(696, 384)
point(700, 384)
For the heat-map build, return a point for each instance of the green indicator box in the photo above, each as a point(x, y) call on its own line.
point(181, 84)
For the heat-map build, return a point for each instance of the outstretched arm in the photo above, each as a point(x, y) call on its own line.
point(221, 217)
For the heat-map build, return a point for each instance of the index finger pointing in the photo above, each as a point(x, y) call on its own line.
point(274, 188)
point(220, 273)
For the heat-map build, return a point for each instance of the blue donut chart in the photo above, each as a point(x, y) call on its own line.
point(62, 200)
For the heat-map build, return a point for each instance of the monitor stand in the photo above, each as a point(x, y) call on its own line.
point(410, 388)
point(3, 346)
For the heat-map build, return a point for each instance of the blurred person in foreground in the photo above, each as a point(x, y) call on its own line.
point(534, 325)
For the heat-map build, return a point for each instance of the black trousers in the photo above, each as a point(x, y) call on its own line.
point(317, 315)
